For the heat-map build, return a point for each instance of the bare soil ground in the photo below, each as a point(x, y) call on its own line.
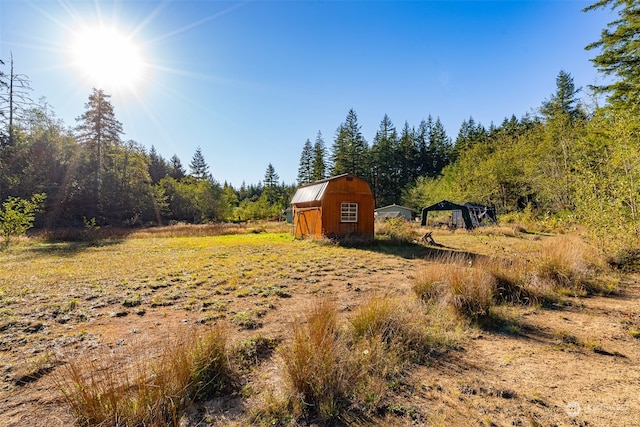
point(574, 363)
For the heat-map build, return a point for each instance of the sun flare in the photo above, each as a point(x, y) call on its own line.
point(107, 58)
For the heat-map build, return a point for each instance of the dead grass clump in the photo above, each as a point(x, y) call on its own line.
point(401, 326)
point(346, 373)
point(498, 230)
point(465, 286)
point(566, 264)
point(314, 364)
point(471, 290)
point(119, 391)
point(514, 283)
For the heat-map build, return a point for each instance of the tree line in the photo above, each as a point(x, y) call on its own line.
point(90, 174)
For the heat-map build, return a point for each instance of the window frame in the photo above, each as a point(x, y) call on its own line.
point(349, 212)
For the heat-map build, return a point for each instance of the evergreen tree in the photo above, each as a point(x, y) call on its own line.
point(440, 149)
point(350, 150)
point(271, 184)
point(407, 157)
point(198, 167)
point(422, 142)
point(175, 168)
point(551, 175)
point(305, 169)
point(384, 164)
point(319, 155)
point(469, 134)
point(619, 55)
point(98, 131)
point(564, 101)
point(157, 166)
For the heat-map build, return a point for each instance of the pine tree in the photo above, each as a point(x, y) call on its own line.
point(408, 155)
point(422, 142)
point(97, 132)
point(564, 101)
point(319, 155)
point(305, 169)
point(384, 164)
point(350, 150)
point(157, 166)
point(619, 55)
point(440, 149)
point(271, 184)
point(198, 167)
point(175, 169)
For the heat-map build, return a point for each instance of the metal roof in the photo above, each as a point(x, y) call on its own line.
point(310, 193)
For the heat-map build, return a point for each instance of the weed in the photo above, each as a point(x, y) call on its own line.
point(253, 350)
point(395, 231)
point(132, 301)
point(246, 320)
point(566, 264)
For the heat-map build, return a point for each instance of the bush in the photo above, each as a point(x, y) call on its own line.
point(17, 215)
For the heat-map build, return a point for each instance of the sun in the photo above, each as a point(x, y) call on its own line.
point(107, 58)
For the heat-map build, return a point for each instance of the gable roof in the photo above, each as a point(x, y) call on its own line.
point(393, 206)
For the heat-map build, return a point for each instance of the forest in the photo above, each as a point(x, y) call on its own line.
point(571, 163)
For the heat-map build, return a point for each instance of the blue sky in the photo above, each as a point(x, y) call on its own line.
point(249, 82)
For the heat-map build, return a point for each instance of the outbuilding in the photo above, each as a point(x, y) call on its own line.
point(334, 207)
point(468, 215)
point(394, 211)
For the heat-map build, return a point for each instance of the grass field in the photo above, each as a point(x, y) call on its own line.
point(393, 356)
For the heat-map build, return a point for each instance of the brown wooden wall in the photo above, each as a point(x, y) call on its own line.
point(326, 220)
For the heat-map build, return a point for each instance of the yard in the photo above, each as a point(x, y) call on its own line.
point(571, 362)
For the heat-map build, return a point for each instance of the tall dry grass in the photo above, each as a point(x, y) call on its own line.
point(314, 363)
point(143, 391)
point(567, 264)
point(563, 265)
point(456, 281)
point(340, 372)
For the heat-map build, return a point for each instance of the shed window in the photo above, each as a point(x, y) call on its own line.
point(348, 212)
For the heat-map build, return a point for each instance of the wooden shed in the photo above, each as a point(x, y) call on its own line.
point(334, 207)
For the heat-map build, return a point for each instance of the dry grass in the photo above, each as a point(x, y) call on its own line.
point(95, 233)
point(147, 391)
point(459, 283)
point(396, 230)
point(566, 264)
point(563, 265)
point(345, 372)
point(314, 363)
point(499, 230)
